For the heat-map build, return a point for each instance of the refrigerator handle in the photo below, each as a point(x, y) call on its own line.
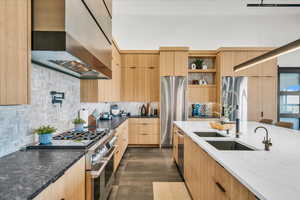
point(262, 114)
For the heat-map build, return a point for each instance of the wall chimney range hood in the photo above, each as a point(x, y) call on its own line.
point(73, 37)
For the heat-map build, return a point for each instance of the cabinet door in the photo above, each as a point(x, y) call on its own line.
point(222, 183)
point(128, 83)
point(15, 62)
point(238, 191)
point(167, 63)
point(181, 63)
point(133, 134)
point(130, 60)
point(226, 63)
point(254, 99)
point(269, 68)
point(269, 97)
point(202, 94)
point(243, 56)
point(75, 181)
point(152, 84)
point(140, 84)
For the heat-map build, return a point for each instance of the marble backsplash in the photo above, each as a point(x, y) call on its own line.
point(18, 122)
point(132, 107)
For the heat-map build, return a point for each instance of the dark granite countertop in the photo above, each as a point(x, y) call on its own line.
point(140, 116)
point(24, 174)
point(113, 123)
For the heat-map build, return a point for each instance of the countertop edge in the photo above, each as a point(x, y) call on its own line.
point(59, 175)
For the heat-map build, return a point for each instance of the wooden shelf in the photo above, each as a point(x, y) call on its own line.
point(201, 86)
point(202, 70)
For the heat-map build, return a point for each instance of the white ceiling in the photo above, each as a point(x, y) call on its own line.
point(199, 7)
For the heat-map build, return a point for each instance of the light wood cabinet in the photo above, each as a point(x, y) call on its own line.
point(167, 60)
point(181, 63)
point(262, 98)
point(144, 131)
point(229, 59)
point(121, 143)
point(104, 90)
point(262, 81)
point(140, 77)
point(174, 61)
point(206, 179)
point(69, 186)
point(202, 93)
point(15, 51)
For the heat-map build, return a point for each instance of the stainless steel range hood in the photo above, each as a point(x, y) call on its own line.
point(73, 37)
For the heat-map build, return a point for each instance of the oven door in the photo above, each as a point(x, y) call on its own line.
point(102, 177)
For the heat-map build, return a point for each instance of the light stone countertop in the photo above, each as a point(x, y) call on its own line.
point(270, 175)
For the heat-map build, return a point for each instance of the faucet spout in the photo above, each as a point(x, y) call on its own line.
point(267, 140)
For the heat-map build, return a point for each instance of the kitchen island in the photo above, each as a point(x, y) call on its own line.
point(269, 175)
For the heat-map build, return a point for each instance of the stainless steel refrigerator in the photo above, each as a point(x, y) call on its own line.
point(173, 105)
point(234, 92)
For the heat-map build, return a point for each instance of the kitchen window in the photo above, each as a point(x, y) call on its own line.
point(289, 95)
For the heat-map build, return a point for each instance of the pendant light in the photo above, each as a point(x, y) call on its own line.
point(293, 46)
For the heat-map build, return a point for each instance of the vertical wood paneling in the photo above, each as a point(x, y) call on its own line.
point(14, 51)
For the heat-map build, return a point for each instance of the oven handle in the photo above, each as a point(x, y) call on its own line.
point(96, 174)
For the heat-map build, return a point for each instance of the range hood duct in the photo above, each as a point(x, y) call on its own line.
point(73, 37)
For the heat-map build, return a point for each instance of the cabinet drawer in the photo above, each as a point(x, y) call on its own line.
point(222, 182)
point(144, 120)
point(144, 138)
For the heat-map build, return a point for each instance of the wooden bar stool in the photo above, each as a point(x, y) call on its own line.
point(284, 124)
point(266, 121)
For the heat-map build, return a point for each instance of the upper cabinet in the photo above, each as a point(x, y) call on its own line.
point(174, 61)
point(230, 57)
point(140, 76)
point(104, 90)
point(15, 54)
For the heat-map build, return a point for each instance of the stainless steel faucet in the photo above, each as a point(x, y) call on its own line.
point(267, 140)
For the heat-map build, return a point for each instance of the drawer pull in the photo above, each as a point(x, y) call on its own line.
point(144, 134)
point(220, 187)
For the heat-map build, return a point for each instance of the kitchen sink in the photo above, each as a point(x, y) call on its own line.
point(208, 134)
point(229, 146)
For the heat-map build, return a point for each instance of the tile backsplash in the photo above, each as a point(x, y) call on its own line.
point(18, 122)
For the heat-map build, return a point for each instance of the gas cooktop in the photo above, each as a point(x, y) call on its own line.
point(85, 135)
point(73, 140)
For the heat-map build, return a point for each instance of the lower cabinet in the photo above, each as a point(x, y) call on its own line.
point(71, 186)
point(207, 180)
point(144, 131)
point(175, 145)
point(121, 143)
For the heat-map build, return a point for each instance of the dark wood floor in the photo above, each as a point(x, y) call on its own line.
point(139, 168)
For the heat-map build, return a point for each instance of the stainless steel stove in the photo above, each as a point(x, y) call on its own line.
point(100, 149)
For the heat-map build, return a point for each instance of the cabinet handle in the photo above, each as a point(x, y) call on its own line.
point(144, 134)
point(151, 67)
point(132, 67)
point(220, 187)
point(262, 114)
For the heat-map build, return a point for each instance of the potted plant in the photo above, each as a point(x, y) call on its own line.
point(78, 122)
point(199, 63)
point(45, 134)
